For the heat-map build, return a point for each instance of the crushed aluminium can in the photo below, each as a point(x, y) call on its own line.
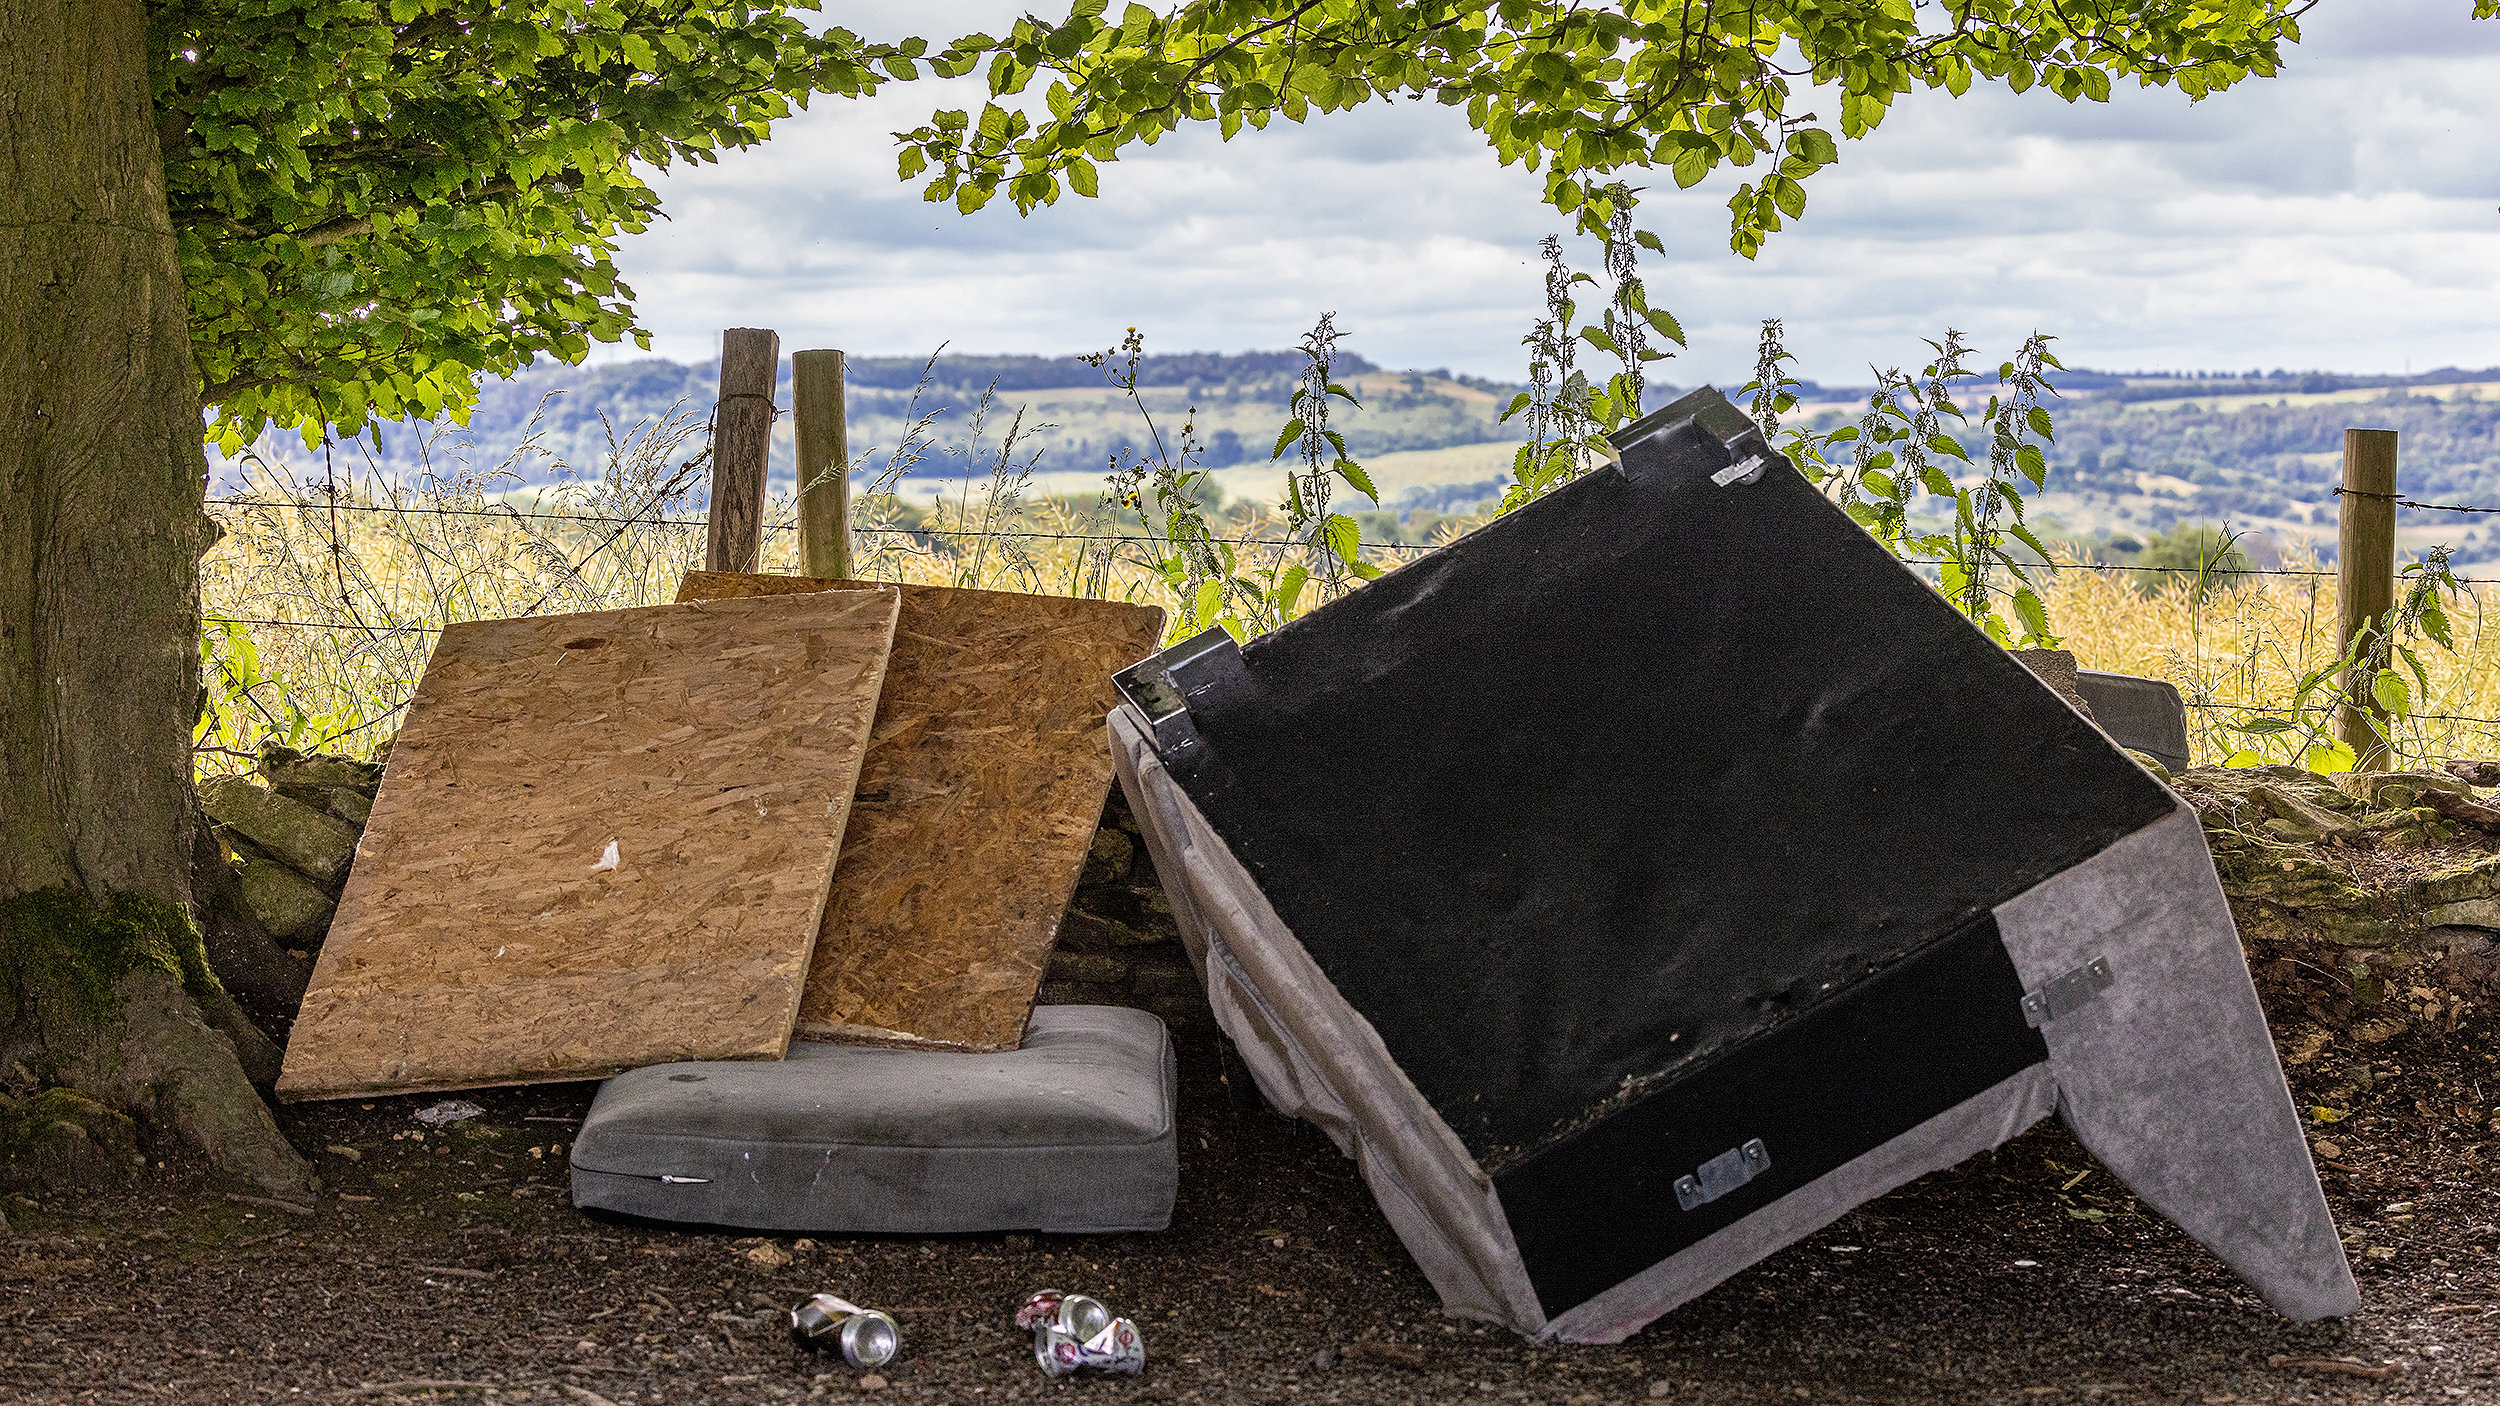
point(1071, 1331)
point(1117, 1348)
point(864, 1336)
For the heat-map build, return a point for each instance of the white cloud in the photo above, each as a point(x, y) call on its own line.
point(2339, 216)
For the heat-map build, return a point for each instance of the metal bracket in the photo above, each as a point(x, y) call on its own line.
point(1715, 420)
point(1160, 688)
point(1722, 1174)
point(1746, 470)
point(2064, 994)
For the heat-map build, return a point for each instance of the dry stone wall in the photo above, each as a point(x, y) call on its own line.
point(2369, 902)
point(1118, 944)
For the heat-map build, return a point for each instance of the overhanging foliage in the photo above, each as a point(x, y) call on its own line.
point(378, 200)
point(1587, 93)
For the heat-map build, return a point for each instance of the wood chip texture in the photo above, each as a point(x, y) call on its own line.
point(603, 841)
point(981, 793)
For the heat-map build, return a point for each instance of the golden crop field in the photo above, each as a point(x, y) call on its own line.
point(322, 608)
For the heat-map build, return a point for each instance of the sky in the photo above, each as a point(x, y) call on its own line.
point(2343, 216)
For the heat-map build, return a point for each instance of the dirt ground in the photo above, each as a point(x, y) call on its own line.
point(450, 1265)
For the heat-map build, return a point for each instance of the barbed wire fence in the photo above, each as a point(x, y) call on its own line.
point(2217, 574)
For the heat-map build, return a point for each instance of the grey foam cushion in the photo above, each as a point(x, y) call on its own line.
point(1072, 1133)
point(2146, 714)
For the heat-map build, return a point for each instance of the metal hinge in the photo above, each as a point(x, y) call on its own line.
point(2065, 994)
point(1722, 1174)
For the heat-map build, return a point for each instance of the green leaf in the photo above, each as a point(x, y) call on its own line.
point(2329, 758)
point(2391, 692)
point(2434, 623)
point(1518, 403)
point(2033, 614)
point(1286, 438)
point(2033, 465)
point(1341, 536)
point(1289, 589)
point(2267, 726)
point(2038, 419)
point(1355, 474)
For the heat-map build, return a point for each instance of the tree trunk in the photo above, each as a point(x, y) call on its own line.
point(101, 477)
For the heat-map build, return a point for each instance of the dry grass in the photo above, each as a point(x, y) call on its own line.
point(357, 574)
point(2245, 647)
point(326, 595)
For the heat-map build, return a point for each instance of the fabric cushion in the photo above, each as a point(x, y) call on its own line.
point(1072, 1133)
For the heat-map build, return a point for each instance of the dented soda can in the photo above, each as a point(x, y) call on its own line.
point(1075, 1315)
point(1117, 1348)
point(865, 1337)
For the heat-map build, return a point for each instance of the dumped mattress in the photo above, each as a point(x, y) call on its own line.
point(1652, 876)
point(1072, 1133)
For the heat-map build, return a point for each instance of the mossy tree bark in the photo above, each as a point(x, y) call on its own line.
point(101, 529)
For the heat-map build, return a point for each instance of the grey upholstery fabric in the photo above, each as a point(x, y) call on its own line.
point(2170, 1076)
point(1072, 1133)
point(2146, 714)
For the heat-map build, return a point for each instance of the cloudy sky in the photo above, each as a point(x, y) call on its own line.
point(2345, 215)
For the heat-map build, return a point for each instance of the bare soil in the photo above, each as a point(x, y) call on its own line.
point(449, 1265)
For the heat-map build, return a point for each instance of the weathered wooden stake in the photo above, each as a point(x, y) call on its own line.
point(824, 464)
point(2365, 576)
point(742, 445)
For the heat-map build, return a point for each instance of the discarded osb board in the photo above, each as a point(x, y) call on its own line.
point(983, 785)
point(603, 842)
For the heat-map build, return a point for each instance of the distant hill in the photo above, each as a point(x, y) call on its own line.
point(2136, 452)
point(1073, 417)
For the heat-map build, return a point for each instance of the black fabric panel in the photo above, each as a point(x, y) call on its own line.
point(1841, 1080)
point(1632, 775)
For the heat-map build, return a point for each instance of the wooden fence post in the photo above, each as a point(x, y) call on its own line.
point(742, 446)
point(2365, 574)
point(824, 464)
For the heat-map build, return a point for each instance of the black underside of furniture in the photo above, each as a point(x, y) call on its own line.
point(1631, 776)
point(1857, 1071)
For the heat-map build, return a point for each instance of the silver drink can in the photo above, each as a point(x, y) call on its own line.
point(865, 1337)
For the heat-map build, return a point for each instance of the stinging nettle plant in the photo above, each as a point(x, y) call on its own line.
point(2303, 730)
point(1896, 463)
point(1247, 585)
point(1567, 415)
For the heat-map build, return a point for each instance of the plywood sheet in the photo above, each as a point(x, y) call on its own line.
point(604, 841)
point(980, 795)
